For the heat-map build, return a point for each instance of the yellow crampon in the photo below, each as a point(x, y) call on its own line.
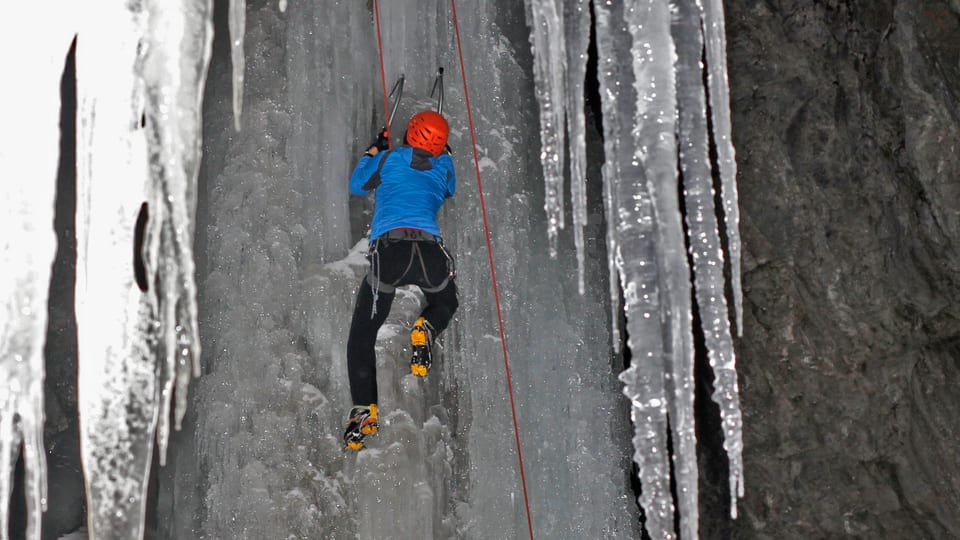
point(363, 422)
point(422, 341)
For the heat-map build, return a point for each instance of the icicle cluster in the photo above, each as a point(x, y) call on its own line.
point(560, 36)
point(694, 23)
point(139, 89)
point(652, 97)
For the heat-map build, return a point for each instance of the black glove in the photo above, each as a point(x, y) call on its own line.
point(382, 141)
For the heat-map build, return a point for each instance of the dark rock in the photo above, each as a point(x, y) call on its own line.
point(846, 126)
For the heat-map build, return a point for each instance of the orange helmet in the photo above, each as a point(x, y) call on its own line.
point(428, 130)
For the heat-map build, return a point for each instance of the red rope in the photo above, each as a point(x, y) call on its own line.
point(493, 273)
point(383, 75)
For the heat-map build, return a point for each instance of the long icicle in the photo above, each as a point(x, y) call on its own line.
point(716, 329)
point(237, 25)
point(719, 88)
point(636, 259)
point(545, 18)
point(577, 30)
point(697, 186)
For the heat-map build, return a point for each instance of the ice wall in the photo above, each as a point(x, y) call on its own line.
point(560, 358)
point(277, 290)
point(276, 304)
point(275, 206)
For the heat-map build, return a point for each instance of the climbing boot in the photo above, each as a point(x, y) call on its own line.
point(362, 423)
point(421, 339)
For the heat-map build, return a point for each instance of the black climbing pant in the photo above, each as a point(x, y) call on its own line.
point(394, 263)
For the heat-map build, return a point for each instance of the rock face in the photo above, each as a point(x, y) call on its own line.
point(846, 119)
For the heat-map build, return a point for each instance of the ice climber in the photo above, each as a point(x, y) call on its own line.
point(412, 182)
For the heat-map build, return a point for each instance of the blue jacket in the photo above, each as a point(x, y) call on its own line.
point(411, 187)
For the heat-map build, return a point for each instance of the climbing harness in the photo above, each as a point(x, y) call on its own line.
point(415, 237)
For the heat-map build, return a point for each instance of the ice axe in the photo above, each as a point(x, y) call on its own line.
point(382, 141)
point(438, 89)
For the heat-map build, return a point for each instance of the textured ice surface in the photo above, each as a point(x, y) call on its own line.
point(278, 295)
point(29, 148)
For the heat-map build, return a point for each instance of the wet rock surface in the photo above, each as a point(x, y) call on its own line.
point(846, 120)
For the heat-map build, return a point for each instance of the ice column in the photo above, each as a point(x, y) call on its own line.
point(29, 148)
point(634, 251)
point(116, 329)
point(139, 94)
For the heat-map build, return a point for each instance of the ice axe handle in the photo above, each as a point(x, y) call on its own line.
point(398, 90)
point(438, 89)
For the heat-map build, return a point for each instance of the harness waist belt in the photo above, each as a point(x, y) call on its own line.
point(415, 235)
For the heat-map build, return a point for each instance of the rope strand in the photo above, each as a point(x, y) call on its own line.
point(493, 273)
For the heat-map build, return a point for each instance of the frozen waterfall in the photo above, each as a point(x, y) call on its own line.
point(651, 78)
point(291, 96)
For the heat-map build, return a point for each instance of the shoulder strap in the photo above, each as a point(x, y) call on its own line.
point(374, 181)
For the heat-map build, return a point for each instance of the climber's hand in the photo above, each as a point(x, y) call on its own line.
point(381, 142)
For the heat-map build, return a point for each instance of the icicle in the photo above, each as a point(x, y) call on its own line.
point(29, 149)
point(636, 259)
point(654, 63)
point(139, 93)
point(117, 388)
point(175, 70)
point(559, 37)
point(701, 224)
point(715, 320)
point(238, 24)
point(716, 43)
point(549, 52)
point(577, 30)
point(609, 204)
